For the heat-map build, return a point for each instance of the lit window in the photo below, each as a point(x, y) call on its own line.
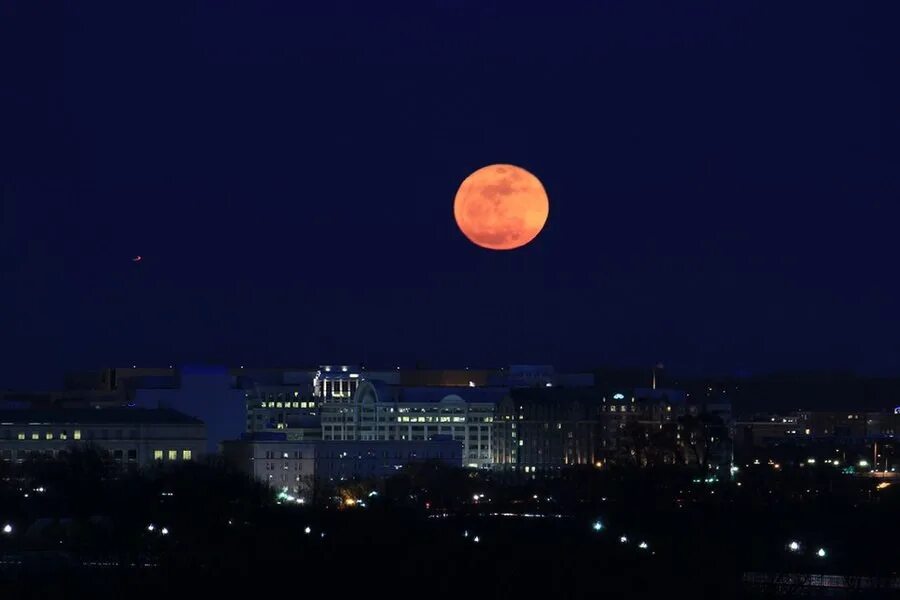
point(21, 435)
point(186, 455)
point(77, 434)
point(157, 455)
point(278, 405)
point(173, 454)
point(63, 435)
point(49, 435)
point(34, 435)
point(303, 405)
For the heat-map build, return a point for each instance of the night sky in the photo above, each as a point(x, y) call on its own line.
point(723, 182)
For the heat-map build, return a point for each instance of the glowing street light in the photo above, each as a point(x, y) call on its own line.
point(7, 529)
point(623, 539)
point(164, 531)
point(643, 545)
point(308, 530)
point(597, 526)
point(151, 527)
point(794, 546)
point(821, 553)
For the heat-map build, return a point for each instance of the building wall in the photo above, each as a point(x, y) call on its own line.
point(333, 390)
point(138, 445)
point(289, 409)
point(809, 427)
point(394, 413)
point(283, 465)
point(295, 467)
point(548, 428)
point(540, 429)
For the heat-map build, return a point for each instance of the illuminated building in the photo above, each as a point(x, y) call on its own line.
point(333, 389)
point(537, 429)
point(282, 402)
point(284, 409)
point(544, 428)
point(377, 411)
point(132, 436)
point(285, 465)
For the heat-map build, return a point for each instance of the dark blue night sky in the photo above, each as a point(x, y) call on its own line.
point(723, 182)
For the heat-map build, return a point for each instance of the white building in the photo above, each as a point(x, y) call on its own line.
point(333, 389)
point(284, 465)
point(377, 411)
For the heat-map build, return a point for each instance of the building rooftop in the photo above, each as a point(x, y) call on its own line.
point(98, 416)
point(433, 394)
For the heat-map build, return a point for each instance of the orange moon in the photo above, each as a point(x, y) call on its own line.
point(501, 207)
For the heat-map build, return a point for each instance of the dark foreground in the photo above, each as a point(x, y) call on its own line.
point(224, 535)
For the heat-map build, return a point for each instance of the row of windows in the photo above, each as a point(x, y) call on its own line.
point(364, 415)
point(172, 455)
point(54, 452)
point(273, 454)
point(386, 429)
point(287, 404)
point(431, 419)
point(623, 408)
point(284, 467)
point(274, 396)
point(437, 409)
point(62, 434)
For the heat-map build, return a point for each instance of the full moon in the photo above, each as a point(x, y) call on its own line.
point(501, 207)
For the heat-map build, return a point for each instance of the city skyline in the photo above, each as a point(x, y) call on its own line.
point(450, 298)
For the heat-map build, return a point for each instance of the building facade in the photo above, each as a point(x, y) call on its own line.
point(333, 389)
point(285, 465)
point(377, 411)
point(272, 409)
point(295, 467)
point(132, 437)
point(541, 429)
